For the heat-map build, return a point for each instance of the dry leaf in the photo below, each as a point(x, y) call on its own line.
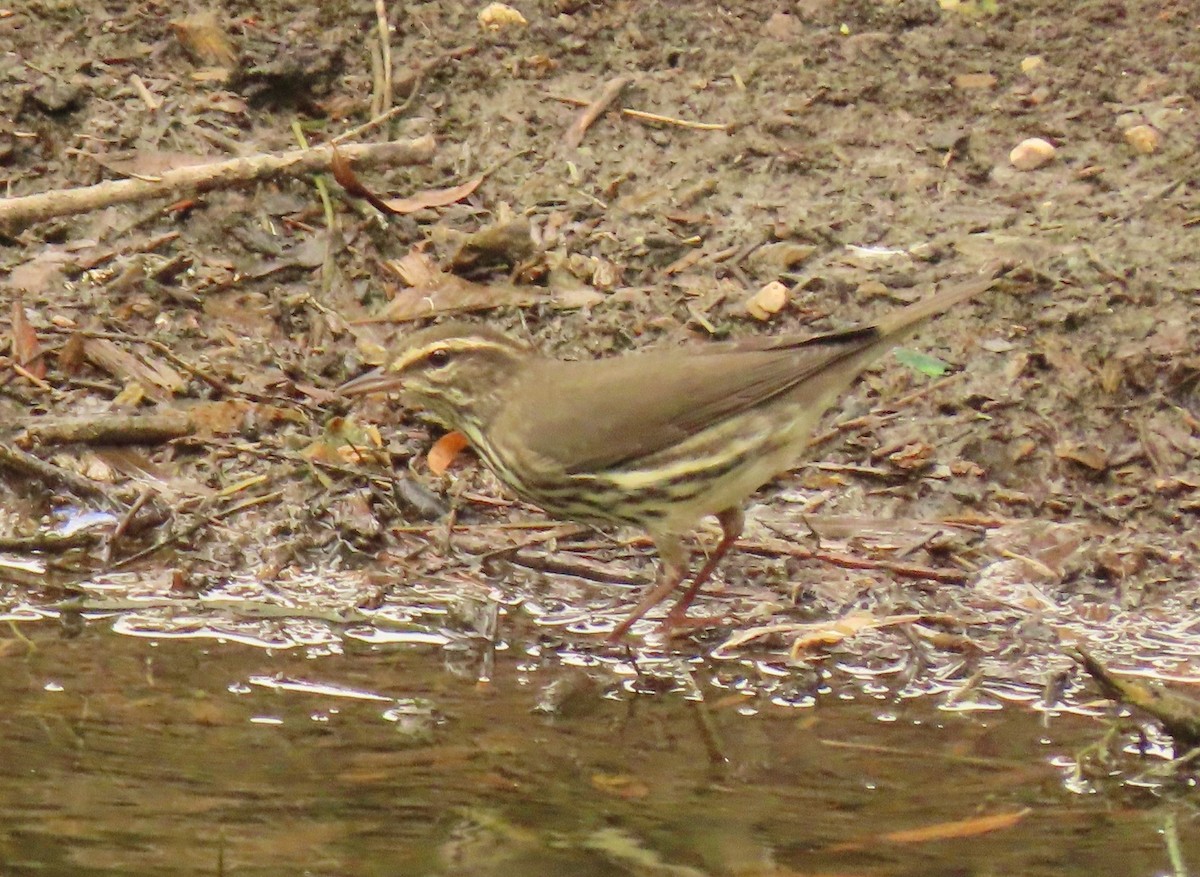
point(156, 377)
point(415, 269)
point(829, 633)
point(506, 242)
point(220, 418)
point(973, 81)
point(345, 441)
point(433, 197)
point(915, 455)
point(131, 396)
point(1085, 453)
point(453, 294)
point(814, 633)
point(43, 272)
point(70, 355)
point(444, 450)
point(348, 180)
point(26, 349)
point(152, 162)
point(202, 37)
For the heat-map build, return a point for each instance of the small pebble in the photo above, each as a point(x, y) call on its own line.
point(498, 16)
point(1031, 154)
point(1143, 138)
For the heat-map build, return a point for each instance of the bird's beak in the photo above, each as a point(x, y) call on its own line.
point(378, 381)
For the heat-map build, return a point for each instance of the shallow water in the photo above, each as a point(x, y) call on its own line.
point(130, 755)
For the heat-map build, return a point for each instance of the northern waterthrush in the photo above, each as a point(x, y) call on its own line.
point(656, 439)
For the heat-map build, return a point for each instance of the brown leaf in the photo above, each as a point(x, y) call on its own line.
point(974, 81)
point(26, 350)
point(42, 273)
point(1086, 454)
point(415, 268)
point(202, 37)
point(220, 418)
point(508, 242)
point(70, 355)
point(831, 632)
point(345, 441)
point(433, 197)
point(152, 162)
point(915, 455)
point(155, 376)
point(348, 180)
point(452, 295)
point(768, 301)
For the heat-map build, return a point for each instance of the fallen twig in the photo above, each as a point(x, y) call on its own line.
point(385, 48)
point(195, 527)
point(176, 360)
point(612, 90)
point(1178, 713)
point(410, 86)
point(19, 461)
point(111, 429)
point(643, 116)
point(578, 567)
point(49, 543)
point(778, 547)
point(15, 213)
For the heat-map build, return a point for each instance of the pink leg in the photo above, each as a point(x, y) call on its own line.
point(672, 569)
point(732, 520)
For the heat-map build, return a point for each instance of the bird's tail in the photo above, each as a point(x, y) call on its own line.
point(898, 323)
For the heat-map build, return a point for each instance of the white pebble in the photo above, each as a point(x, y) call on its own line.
point(1031, 154)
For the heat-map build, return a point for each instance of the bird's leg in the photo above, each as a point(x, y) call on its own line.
point(732, 521)
point(672, 567)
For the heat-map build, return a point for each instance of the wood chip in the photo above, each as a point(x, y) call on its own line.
point(768, 301)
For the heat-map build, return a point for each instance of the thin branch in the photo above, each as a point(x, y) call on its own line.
point(611, 91)
point(643, 116)
point(16, 213)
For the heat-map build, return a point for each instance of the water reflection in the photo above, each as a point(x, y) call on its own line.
point(134, 755)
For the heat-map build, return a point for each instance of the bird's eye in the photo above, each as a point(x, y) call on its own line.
point(438, 358)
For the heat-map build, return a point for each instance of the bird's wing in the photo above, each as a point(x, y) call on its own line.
point(581, 418)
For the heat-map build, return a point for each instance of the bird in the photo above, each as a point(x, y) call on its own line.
point(656, 439)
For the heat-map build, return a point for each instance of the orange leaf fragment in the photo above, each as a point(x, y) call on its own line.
point(444, 450)
point(971, 827)
point(976, 825)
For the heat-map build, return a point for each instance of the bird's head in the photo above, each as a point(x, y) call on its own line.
point(454, 370)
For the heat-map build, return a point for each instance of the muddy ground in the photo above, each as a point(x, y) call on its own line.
point(955, 533)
